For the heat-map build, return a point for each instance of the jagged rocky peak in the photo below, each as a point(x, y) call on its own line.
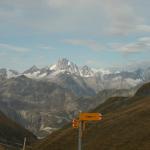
point(13, 72)
point(3, 71)
point(3, 74)
point(63, 64)
point(66, 65)
point(86, 71)
point(7, 73)
point(147, 74)
point(31, 70)
point(139, 73)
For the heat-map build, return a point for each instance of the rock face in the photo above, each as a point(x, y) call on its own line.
point(31, 70)
point(40, 103)
point(125, 125)
point(66, 65)
point(86, 72)
point(88, 81)
point(74, 83)
point(7, 73)
point(3, 74)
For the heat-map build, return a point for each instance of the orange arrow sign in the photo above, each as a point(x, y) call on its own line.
point(90, 116)
point(75, 123)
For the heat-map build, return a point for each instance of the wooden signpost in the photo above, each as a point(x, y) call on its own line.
point(80, 123)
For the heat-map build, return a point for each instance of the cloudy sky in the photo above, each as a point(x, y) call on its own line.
point(98, 33)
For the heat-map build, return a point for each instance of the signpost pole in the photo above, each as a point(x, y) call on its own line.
point(24, 143)
point(80, 136)
point(80, 124)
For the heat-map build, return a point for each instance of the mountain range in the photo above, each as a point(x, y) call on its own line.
point(44, 100)
point(83, 81)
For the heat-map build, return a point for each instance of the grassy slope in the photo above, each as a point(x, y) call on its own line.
point(12, 132)
point(126, 126)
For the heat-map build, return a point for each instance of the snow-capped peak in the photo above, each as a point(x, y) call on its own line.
point(53, 67)
point(86, 71)
point(65, 65)
point(8, 73)
point(32, 70)
point(12, 73)
point(102, 71)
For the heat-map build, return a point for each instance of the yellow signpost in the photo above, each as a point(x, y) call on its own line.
point(90, 116)
point(80, 123)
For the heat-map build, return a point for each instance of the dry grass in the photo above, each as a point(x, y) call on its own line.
point(11, 132)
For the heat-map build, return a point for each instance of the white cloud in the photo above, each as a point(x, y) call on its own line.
point(138, 64)
point(141, 45)
point(13, 48)
point(46, 47)
point(91, 44)
point(92, 62)
point(131, 65)
point(143, 28)
point(118, 17)
point(121, 17)
point(124, 18)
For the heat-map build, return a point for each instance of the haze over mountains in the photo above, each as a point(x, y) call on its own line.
point(43, 100)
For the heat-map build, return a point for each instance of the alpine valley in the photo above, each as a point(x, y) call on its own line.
point(44, 100)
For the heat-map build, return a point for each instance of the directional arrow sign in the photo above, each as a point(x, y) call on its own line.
point(75, 123)
point(90, 116)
